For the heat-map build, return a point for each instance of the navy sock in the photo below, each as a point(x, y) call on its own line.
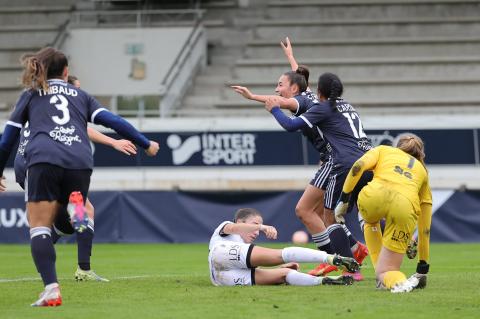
point(351, 239)
point(339, 240)
point(55, 236)
point(43, 254)
point(322, 241)
point(84, 246)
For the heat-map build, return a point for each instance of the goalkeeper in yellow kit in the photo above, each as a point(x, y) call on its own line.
point(400, 193)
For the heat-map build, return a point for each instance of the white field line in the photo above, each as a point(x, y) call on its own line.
point(6, 280)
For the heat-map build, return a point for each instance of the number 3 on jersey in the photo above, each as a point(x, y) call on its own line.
point(62, 106)
point(351, 117)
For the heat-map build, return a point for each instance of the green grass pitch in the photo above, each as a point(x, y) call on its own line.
point(171, 281)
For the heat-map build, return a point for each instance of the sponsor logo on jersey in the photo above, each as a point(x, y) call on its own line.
point(216, 148)
point(65, 135)
point(400, 236)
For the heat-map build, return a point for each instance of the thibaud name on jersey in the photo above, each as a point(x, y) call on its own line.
point(58, 89)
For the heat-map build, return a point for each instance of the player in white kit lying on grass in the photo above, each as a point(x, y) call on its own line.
point(233, 259)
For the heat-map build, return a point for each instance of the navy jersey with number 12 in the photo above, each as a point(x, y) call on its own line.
point(341, 127)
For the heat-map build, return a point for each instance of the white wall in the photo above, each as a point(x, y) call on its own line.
point(98, 57)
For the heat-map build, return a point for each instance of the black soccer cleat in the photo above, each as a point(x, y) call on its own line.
point(338, 280)
point(348, 263)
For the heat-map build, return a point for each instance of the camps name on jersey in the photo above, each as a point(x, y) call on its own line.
point(60, 89)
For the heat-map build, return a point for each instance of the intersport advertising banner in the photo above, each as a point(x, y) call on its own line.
point(177, 217)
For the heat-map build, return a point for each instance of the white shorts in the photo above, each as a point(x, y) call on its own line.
point(230, 264)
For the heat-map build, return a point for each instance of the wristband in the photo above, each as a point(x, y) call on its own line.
point(344, 197)
point(423, 267)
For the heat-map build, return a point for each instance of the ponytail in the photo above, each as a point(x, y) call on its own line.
point(34, 73)
point(411, 144)
point(38, 67)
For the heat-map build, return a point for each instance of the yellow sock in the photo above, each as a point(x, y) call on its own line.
point(393, 277)
point(373, 238)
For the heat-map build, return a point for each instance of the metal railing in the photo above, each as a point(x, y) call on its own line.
point(179, 76)
point(135, 18)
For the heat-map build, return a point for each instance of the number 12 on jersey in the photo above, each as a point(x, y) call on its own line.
point(351, 117)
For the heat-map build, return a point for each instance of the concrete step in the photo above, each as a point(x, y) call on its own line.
point(10, 79)
point(367, 47)
point(349, 9)
point(374, 68)
point(423, 89)
point(371, 28)
point(218, 70)
point(11, 56)
point(229, 36)
point(215, 112)
point(396, 106)
point(32, 16)
point(18, 4)
point(21, 37)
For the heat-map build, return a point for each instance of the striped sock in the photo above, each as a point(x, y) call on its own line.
point(351, 239)
point(43, 253)
point(339, 240)
point(322, 241)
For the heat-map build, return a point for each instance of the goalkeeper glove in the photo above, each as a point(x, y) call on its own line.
point(421, 274)
point(341, 208)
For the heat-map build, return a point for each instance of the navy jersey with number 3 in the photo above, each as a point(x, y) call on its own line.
point(341, 127)
point(58, 125)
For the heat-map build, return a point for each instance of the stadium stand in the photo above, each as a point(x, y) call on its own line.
point(415, 60)
point(391, 54)
point(25, 26)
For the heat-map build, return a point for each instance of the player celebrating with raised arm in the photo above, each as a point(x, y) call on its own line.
point(58, 156)
point(312, 200)
point(337, 128)
point(400, 193)
point(233, 258)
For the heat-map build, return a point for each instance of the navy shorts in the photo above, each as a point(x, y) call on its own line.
point(335, 186)
point(47, 182)
point(321, 177)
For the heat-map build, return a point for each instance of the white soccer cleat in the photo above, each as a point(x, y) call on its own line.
point(50, 297)
point(88, 275)
point(405, 286)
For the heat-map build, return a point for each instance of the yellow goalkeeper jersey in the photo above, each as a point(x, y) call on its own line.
point(395, 169)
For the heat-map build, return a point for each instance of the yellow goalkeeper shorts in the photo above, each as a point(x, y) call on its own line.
point(376, 202)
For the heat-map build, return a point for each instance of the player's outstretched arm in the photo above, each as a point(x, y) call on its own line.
point(242, 228)
point(284, 103)
point(125, 129)
point(124, 146)
point(288, 50)
point(289, 124)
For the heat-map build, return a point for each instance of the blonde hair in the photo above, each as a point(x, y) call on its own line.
point(411, 144)
point(40, 66)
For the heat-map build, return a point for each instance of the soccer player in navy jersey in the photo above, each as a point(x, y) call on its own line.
point(342, 128)
point(62, 225)
point(312, 199)
point(289, 88)
point(58, 156)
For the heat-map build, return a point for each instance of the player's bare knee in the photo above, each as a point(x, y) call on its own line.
point(301, 212)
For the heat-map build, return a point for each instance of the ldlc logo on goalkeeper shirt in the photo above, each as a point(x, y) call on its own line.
point(216, 148)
